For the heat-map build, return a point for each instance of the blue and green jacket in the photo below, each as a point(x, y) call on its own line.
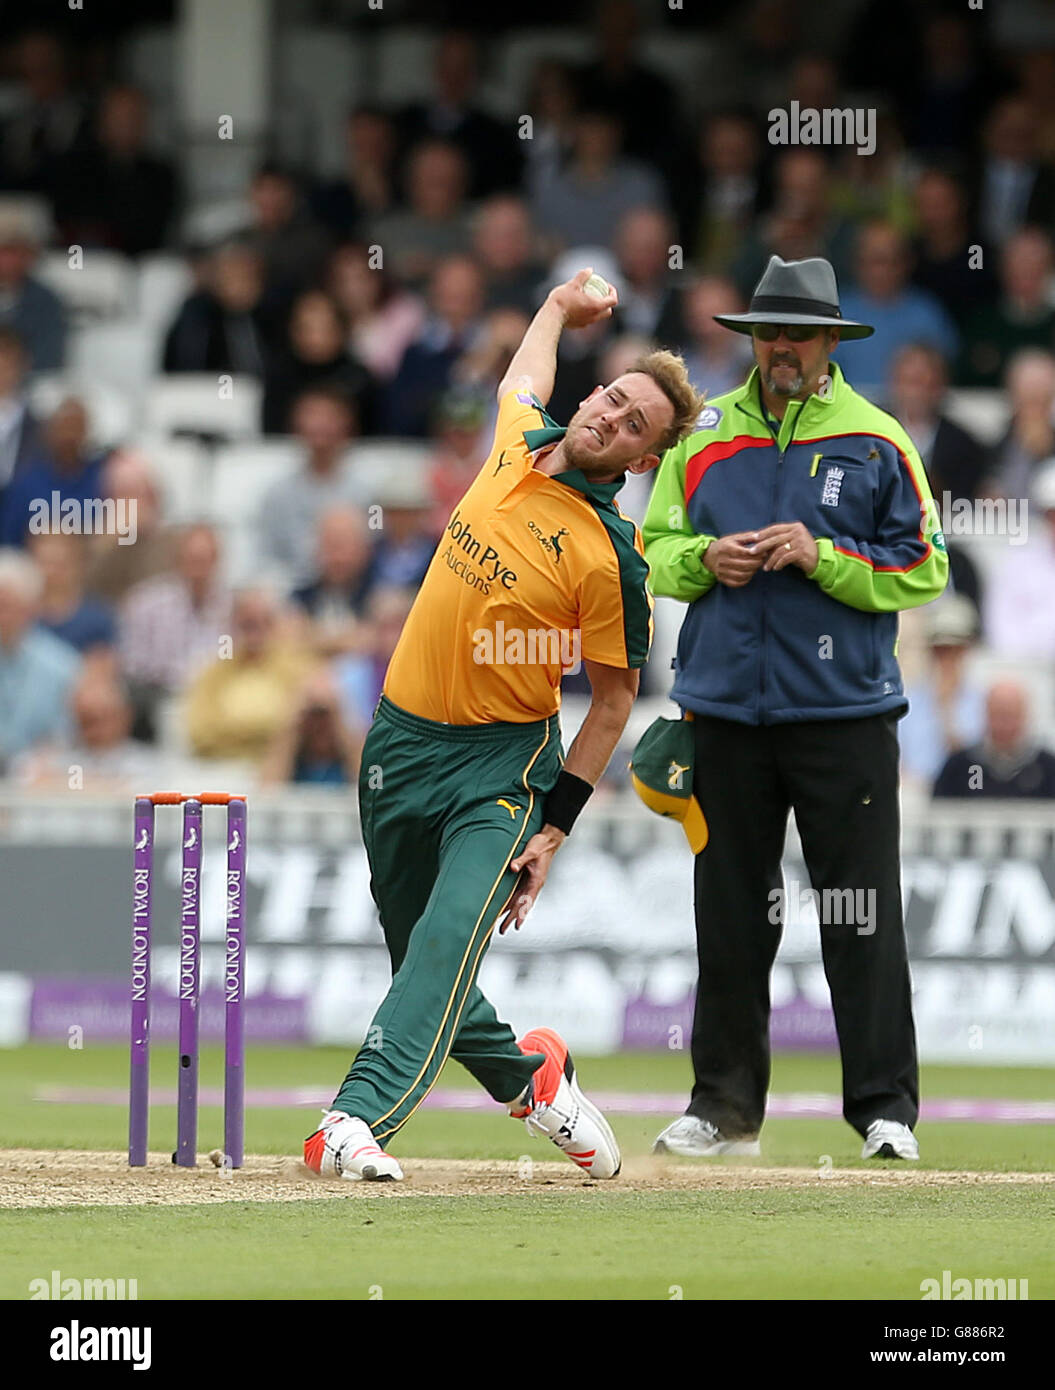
point(790, 646)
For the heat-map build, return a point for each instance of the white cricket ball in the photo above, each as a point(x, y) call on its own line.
point(597, 286)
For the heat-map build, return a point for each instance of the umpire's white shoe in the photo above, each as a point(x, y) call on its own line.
point(554, 1105)
point(690, 1137)
point(889, 1139)
point(344, 1147)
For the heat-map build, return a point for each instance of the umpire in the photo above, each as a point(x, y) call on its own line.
point(797, 521)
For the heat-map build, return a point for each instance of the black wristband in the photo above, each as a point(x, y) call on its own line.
point(569, 795)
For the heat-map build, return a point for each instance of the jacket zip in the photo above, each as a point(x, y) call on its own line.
point(773, 497)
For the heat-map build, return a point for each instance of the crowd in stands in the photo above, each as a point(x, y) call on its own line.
point(387, 300)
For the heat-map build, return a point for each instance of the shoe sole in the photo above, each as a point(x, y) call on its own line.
point(888, 1151)
point(588, 1108)
point(731, 1148)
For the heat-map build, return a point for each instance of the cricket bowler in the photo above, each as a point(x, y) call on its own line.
point(464, 793)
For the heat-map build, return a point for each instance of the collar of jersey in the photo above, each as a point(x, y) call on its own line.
point(749, 400)
point(572, 477)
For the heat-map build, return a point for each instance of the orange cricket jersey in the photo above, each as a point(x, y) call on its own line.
point(532, 573)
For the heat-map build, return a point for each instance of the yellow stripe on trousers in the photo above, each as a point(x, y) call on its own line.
point(461, 969)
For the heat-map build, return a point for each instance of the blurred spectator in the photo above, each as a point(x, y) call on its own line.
point(293, 247)
point(315, 354)
point(1012, 186)
point(383, 318)
point(582, 202)
point(491, 152)
point(226, 324)
point(717, 360)
point(315, 748)
point(553, 99)
point(366, 187)
point(650, 301)
point(876, 187)
point(944, 263)
point(63, 463)
point(919, 381)
point(37, 670)
point(504, 248)
point(950, 89)
point(1008, 761)
point(110, 191)
point(172, 624)
point(360, 675)
point(1020, 611)
point(19, 429)
point(1037, 78)
point(405, 542)
point(460, 452)
point(344, 576)
point(882, 295)
point(617, 81)
point(45, 117)
point(27, 306)
point(434, 223)
point(1021, 317)
point(100, 755)
point(946, 708)
point(802, 221)
point(324, 423)
point(730, 153)
point(1030, 436)
point(455, 300)
point(113, 565)
point(485, 364)
point(237, 705)
point(65, 610)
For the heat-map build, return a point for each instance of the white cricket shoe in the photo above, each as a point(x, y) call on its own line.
point(889, 1139)
point(691, 1137)
point(554, 1105)
point(344, 1147)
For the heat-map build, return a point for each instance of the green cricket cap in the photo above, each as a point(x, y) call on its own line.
point(661, 769)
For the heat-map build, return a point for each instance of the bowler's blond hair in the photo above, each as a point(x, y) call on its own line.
point(668, 371)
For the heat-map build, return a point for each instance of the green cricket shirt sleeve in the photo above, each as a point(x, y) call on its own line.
point(672, 548)
point(906, 564)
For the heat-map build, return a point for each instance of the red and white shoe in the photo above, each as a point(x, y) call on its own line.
point(554, 1105)
point(344, 1147)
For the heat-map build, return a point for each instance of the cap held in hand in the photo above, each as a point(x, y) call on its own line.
point(661, 769)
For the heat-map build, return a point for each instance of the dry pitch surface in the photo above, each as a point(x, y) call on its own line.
point(34, 1178)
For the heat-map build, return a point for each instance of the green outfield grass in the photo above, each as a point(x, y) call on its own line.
point(806, 1242)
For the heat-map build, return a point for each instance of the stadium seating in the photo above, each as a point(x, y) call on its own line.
point(191, 404)
point(102, 287)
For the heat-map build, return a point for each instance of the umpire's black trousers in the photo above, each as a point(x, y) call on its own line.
point(841, 779)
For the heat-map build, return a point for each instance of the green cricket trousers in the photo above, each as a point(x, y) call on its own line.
point(444, 808)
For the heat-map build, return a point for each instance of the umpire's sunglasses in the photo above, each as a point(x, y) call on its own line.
point(794, 332)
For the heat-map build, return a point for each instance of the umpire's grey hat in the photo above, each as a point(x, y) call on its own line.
point(796, 292)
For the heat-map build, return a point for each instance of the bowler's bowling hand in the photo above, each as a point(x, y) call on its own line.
point(578, 308)
point(532, 864)
point(787, 543)
point(731, 558)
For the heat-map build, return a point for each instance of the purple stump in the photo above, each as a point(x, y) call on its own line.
point(139, 1080)
point(189, 983)
point(234, 989)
